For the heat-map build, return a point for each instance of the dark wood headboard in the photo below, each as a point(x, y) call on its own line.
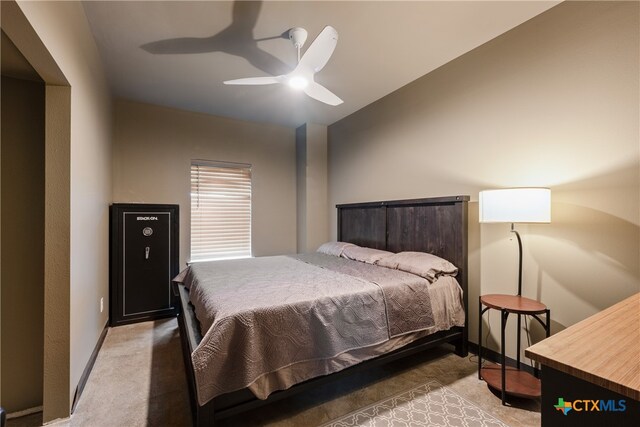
point(435, 225)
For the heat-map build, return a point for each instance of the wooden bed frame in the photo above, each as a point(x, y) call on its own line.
point(434, 225)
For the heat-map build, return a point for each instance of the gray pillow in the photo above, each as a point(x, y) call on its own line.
point(420, 263)
point(333, 248)
point(368, 255)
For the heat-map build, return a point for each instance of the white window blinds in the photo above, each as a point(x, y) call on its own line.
point(220, 211)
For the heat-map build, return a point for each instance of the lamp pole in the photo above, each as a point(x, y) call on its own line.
point(513, 230)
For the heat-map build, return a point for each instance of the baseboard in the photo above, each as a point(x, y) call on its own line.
point(56, 421)
point(87, 369)
point(24, 412)
point(494, 356)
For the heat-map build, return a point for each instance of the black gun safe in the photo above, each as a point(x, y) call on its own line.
point(143, 260)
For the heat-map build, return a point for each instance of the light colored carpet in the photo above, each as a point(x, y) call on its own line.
point(430, 404)
point(139, 380)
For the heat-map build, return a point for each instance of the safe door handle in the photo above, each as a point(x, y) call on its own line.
point(146, 252)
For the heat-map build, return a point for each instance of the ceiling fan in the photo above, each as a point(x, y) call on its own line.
point(313, 60)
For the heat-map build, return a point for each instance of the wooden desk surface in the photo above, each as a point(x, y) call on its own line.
point(603, 349)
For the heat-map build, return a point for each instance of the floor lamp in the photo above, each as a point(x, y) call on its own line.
point(516, 205)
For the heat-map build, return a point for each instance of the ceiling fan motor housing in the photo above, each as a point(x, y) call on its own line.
point(298, 36)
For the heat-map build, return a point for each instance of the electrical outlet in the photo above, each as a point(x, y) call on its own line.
point(101, 305)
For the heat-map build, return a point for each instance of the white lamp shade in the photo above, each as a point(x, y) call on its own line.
point(515, 205)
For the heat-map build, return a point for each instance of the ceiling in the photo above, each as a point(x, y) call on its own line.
point(178, 53)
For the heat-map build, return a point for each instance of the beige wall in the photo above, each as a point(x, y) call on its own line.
point(301, 187)
point(553, 102)
point(22, 243)
point(63, 29)
point(311, 180)
point(152, 153)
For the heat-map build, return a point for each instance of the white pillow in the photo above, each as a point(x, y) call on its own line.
point(368, 255)
point(334, 248)
point(420, 263)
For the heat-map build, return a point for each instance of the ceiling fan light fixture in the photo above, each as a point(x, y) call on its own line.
point(298, 82)
point(302, 76)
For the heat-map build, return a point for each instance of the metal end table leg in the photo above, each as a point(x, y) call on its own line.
point(479, 337)
point(518, 338)
point(548, 313)
point(503, 316)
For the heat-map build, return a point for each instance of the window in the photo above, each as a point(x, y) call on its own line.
point(220, 210)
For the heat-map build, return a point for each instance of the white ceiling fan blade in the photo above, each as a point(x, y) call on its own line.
point(268, 80)
point(322, 94)
point(318, 54)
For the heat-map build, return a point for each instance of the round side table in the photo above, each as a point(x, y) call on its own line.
point(510, 380)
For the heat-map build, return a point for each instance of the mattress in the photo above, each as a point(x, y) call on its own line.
point(269, 323)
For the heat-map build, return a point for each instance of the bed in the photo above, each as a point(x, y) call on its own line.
point(361, 314)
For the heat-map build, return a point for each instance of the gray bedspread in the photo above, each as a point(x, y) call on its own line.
point(406, 296)
point(262, 315)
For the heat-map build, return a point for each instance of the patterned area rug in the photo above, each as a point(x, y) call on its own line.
point(430, 404)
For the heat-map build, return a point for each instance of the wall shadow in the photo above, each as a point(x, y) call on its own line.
point(595, 256)
point(593, 253)
point(236, 39)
